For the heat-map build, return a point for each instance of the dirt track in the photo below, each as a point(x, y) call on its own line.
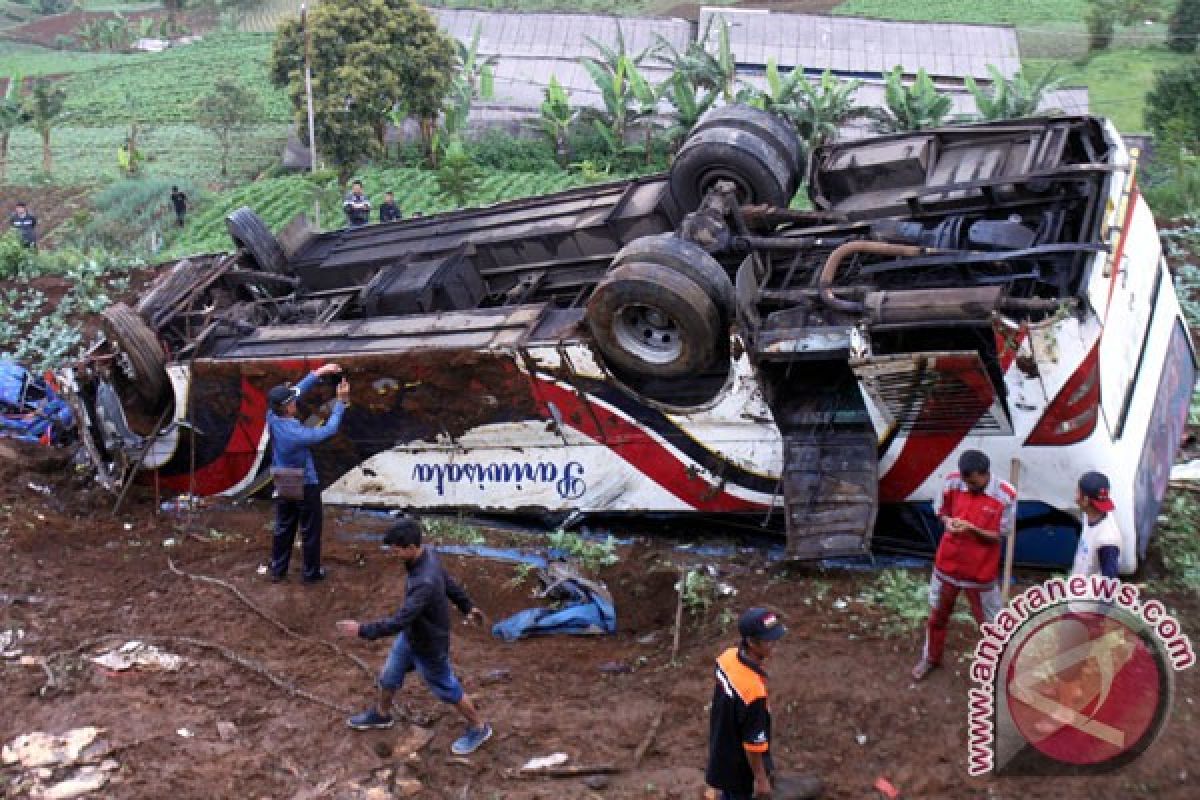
point(76, 573)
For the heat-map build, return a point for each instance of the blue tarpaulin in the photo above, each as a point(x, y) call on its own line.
point(30, 409)
point(587, 610)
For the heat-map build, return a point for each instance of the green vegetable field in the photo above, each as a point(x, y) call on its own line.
point(277, 200)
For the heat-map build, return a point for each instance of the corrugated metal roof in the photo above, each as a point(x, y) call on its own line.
point(530, 48)
point(859, 46)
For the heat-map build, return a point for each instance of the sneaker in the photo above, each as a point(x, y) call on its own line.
point(470, 741)
point(922, 669)
point(321, 575)
point(370, 719)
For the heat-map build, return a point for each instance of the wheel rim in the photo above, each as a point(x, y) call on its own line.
point(649, 333)
point(710, 177)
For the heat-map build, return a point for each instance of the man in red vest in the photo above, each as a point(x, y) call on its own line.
point(974, 510)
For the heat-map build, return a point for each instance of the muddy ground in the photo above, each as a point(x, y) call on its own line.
point(844, 705)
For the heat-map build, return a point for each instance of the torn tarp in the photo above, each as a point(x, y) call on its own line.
point(586, 608)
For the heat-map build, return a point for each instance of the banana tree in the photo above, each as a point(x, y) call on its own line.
point(780, 91)
point(556, 119)
point(44, 107)
point(12, 116)
point(913, 107)
point(474, 80)
point(688, 103)
point(702, 68)
point(819, 109)
point(1010, 98)
point(625, 92)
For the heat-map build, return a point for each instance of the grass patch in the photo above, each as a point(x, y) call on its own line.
point(88, 155)
point(19, 58)
point(1177, 543)
point(1007, 12)
point(1117, 80)
point(592, 555)
point(452, 530)
point(165, 85)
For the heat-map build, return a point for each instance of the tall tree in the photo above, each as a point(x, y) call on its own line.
point(44, 106)
point(1173, 106)
point(910, 107)
point(1010, 98)
point(1184, 27)
point(12, 116)
point(368, 58)
point(224, 111)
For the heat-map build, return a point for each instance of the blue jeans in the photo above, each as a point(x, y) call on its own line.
point(435, 670)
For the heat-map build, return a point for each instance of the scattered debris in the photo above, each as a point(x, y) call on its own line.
point(647, 740)
point(185, 733)
point(596, 782)
point(138, 654)
point(226, 730)
point(59, 767)
point(496, 676)
point(414, 741)
point(615, 668)
point(37, 749)
point(9, 640)
point(40, 488)
point(885, 787)
point(545, 762)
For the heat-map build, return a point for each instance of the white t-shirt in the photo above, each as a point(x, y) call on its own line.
point(1091, 538)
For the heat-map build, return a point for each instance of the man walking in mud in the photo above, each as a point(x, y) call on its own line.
point(297, 490)
point(423, 643)
point(975, 508)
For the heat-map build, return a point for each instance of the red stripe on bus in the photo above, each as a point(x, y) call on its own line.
point(922, 453)
point(639, 449)
point(239, 455)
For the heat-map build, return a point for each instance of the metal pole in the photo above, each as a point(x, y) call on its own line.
point(312, 130)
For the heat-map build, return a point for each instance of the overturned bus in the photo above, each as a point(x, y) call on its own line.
point(689, 343)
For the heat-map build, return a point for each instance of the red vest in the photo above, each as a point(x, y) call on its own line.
point(966, 556)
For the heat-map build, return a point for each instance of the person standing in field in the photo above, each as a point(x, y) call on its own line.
point(389, 211)
point(25, 224)
point(180, 204)
point(357, 207)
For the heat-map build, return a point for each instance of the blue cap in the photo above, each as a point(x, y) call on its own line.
point(761, 623)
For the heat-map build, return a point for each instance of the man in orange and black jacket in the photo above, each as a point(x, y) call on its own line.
point(739, 725)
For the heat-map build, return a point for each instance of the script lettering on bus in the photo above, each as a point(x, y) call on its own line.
point(567, 480)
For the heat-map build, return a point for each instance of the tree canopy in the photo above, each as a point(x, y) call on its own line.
point(223, 111)
point(368, 58)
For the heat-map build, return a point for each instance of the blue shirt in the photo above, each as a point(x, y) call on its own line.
point(291, 438)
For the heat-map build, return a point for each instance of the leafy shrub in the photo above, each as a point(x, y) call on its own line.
point(592, 555)
point(15, 258)
point(500, 150)
point(1184, 27)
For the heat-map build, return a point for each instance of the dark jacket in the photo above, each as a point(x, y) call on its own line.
point(26, 227)
point(425, 616)
point(389, 212)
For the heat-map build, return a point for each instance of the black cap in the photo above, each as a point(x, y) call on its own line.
point(759, 623)
point(1095, 487)
point(281, 395)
